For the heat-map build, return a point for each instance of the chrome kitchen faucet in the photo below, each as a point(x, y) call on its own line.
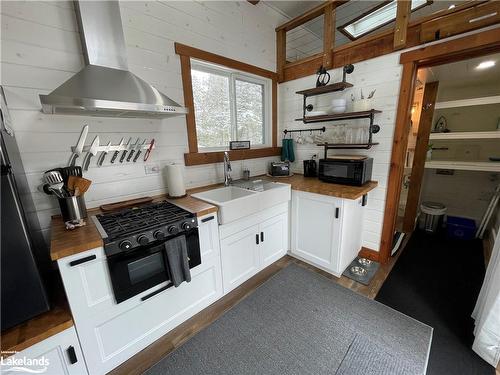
point(227, 169)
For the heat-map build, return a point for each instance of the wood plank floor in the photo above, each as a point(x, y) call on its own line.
point(179, 335)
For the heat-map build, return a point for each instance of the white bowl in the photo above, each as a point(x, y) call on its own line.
point(339, 102)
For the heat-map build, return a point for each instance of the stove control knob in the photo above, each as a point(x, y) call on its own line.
point(142, 240)
point(125, 245)
point(159, 235)
point(187, 225)
point(173, 229)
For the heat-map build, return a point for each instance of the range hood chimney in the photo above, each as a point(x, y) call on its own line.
point(105, 87)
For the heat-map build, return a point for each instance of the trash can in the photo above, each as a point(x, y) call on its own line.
point(432, 215)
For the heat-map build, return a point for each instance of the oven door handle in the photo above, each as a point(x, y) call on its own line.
point(157, 291)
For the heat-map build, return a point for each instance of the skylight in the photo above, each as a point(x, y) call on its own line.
point(375, 18)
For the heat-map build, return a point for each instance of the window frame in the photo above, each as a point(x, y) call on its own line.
point(233, 76)
point(194, 156)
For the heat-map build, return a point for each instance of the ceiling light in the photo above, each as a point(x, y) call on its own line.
point(486, 64)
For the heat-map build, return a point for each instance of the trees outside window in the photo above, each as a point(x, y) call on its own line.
point(229, 106)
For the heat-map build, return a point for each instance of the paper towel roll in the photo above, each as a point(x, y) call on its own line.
point(175, 180)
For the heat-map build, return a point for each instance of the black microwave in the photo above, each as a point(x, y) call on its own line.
point(347, 170)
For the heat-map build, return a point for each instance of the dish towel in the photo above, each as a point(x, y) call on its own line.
point(178, 263)
point(287, 150)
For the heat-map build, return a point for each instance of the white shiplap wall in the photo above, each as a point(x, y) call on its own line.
point(383, 74)
point(41, 49)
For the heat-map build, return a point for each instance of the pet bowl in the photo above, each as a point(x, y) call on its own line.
point(364, 262)
point(360, 271)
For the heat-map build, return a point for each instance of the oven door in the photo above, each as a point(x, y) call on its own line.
point(134, 272)
point(142, 268)
point(340, 172)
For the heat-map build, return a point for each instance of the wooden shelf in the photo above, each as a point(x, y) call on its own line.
point(485, 166)
point(339, 86)
point(468, 102)
point(339, 116)
point(466, 135)
point(332, 146)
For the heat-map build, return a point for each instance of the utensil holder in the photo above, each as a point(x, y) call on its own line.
point(362, 105)
point(73, 208)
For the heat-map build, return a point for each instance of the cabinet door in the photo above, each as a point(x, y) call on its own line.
point(60, 354)
point(240, 257)
point(273, 239)
point(352, 228)
point(315, 228)
point(208, 229)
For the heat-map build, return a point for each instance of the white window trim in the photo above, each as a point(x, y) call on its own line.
point(234, 75)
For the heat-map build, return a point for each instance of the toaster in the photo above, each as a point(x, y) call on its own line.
point(279, 169)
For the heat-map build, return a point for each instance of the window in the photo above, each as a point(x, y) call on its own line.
point(229, 105)
point(375, 18)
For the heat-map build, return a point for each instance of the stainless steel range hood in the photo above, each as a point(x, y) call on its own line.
point(105, 87)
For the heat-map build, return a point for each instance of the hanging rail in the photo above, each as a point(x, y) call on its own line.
point(323, 129)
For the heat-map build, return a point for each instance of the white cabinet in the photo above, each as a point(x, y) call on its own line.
point(240, 257)
point(59, 354)
point(273, 239)
point(250, 244)
point(326, 231)
point(111, 333)
point(315, 229)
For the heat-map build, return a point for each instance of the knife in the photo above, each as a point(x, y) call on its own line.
point(148, 151)
point(140, 150)
point(132, 150)
point(92, 152)
point(103, 154)
point(124, 153)
point(115, 154)
point(77, 151)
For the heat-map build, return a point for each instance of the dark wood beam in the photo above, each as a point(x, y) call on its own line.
point(218, 156)
point(401, 27)
point(396, 167)
point(328, 35)
point(418, 168)
point(280, 53)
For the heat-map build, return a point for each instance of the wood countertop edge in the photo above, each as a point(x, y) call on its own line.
point(52, 331)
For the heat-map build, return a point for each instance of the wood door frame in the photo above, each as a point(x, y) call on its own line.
point(482, 43)
point(418, 165)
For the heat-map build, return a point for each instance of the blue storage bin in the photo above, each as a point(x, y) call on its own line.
point(460, 228)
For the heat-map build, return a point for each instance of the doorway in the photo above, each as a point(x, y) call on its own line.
point(445, 149)
point(476, 45)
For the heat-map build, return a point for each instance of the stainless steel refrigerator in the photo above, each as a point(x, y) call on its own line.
point(23, 294)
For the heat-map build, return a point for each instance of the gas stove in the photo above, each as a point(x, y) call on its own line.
point(137, 227)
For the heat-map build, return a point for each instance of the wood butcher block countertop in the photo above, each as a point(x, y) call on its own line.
point(64, 242)
point(69, 242)
point(314, 185)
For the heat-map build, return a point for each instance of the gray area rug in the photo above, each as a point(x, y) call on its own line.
point(299, 322)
